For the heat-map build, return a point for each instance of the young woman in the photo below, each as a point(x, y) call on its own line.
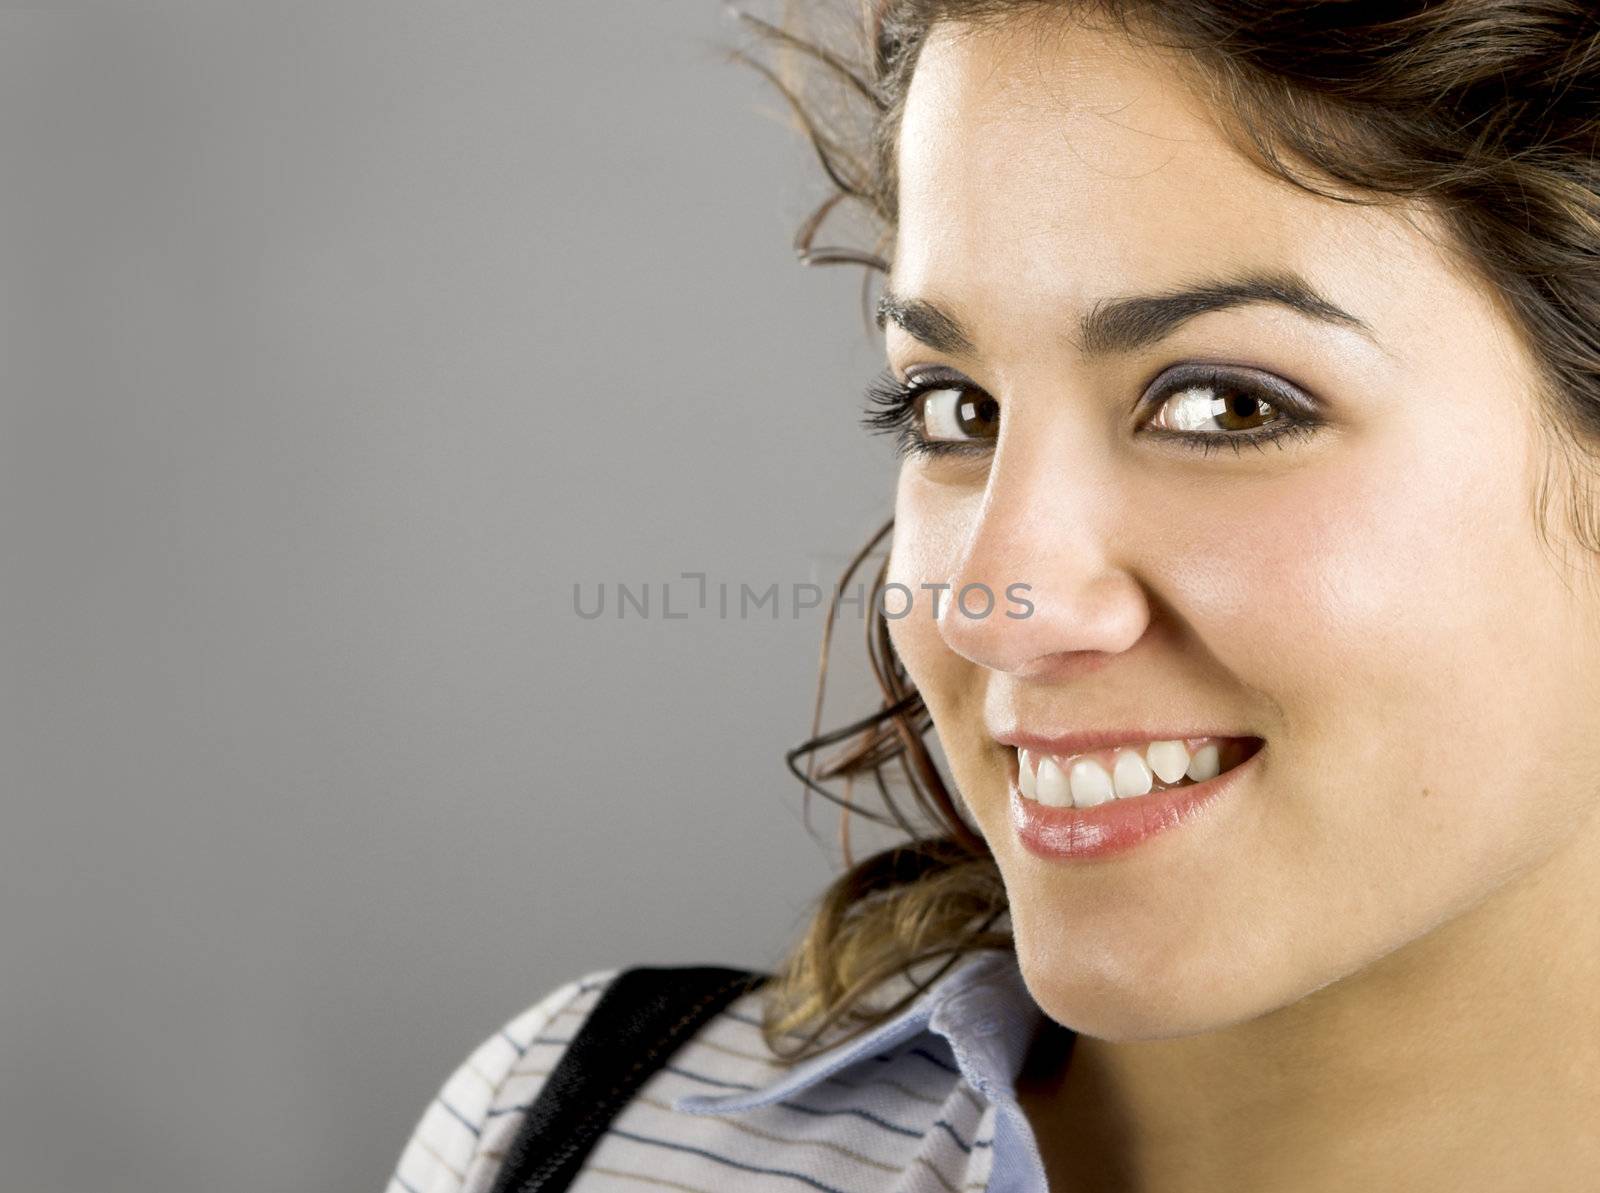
point(1260, 343)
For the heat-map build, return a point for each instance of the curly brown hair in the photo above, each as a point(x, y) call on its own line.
point(1487, 112)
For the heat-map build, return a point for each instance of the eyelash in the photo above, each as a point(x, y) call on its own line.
point(892, 409)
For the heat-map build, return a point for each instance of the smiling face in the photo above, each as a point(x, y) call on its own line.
point(1366, 593)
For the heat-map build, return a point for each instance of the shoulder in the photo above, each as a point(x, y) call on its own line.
point(459, 1141)
point(722, 1105)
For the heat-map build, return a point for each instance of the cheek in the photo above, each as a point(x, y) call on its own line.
point(930, 527)
point(1432, 675)
point(932, 524)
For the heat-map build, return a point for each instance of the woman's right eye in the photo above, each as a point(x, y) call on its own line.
point(933, 414)
point(958, 414)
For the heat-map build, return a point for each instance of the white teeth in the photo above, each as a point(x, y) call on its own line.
point(1085, 783)
point(1130, 774)
point(1205, 764)
point(1169, 759)
point(1054, 790)
point(1090, 783)
point(1025, 780)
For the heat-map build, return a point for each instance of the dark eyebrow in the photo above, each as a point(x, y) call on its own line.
point(924, 321)
point(1138, 321)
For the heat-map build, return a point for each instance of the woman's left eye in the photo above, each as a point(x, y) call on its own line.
point(1205, 406)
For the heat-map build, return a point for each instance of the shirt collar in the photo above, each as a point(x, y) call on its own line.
point(981, 1006)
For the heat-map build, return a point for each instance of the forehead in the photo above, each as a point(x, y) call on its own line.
point(1050, 160)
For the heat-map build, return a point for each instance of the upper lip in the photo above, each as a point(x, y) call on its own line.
point(1086, 740)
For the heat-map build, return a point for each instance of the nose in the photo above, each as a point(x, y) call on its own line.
point(1046, 540)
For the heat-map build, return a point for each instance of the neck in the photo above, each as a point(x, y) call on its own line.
point(1470, 1058)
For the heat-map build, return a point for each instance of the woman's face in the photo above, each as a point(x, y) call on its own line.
point(1368, 596)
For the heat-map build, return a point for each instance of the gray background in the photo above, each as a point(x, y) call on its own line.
point(340, 341)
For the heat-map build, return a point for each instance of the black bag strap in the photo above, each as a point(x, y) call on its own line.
point(644, 1016)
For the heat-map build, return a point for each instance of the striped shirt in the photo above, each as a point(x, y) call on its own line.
point(923, 1103)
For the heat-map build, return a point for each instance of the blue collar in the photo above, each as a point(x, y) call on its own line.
point(983, 1009)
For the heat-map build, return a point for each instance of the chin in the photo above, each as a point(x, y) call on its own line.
point(1122, 996)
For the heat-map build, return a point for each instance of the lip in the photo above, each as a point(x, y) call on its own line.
point(1066, 744)
point(1116, 826)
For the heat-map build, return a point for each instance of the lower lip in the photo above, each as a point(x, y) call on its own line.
point(1065, 834)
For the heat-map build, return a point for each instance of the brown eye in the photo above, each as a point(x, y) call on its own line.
point(958, 413)
point(1213, 406)
point(1206, 406)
